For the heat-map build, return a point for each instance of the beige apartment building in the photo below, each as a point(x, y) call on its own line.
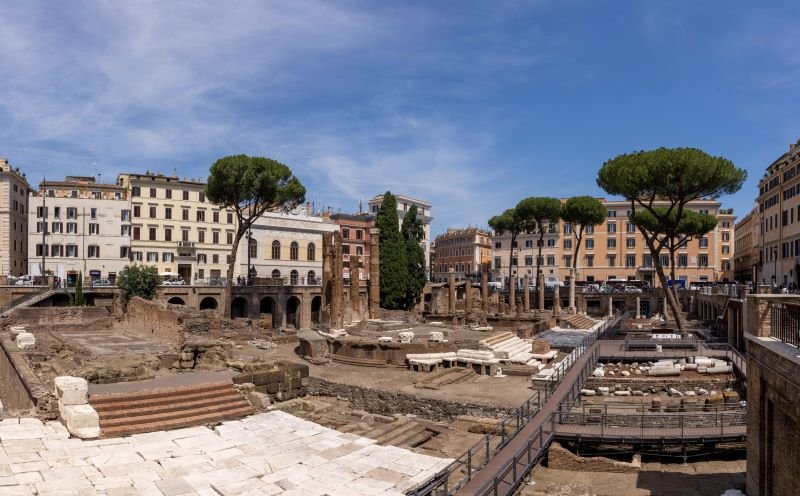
point(286, 246)
point(175, 228)
point(79, 226)
point(14, 191)
point(616, 250)
point(779, 221)
point(463, 251)
point(355, 230)
point(746, 247)
point(403, 204)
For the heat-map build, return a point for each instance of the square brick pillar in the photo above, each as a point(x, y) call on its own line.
point(526, 298)
point(485, 287)
point(355, 300)
point(512, 292)
point(332, 280)
point(468, 297)
point(540, 290)
point(451, 292)
point(557, 302)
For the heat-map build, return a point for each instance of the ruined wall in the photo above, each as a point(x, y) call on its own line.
point(153, 320)
point(561, 458)
point(20, 387)
point(281, 381)
point(65, 316)
point(390, 352)
point(391, 402)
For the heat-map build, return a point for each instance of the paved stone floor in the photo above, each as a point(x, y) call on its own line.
point(271, 453)
point(115, 342)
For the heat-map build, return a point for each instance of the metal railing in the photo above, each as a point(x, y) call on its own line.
point(25, 298)
point(785, 322)
point(634, 343)
point(460, 471)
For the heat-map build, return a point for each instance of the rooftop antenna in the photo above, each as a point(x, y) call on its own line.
point(360, 206)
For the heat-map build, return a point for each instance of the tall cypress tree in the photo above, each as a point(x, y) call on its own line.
point(394, 271)
point(413, 234)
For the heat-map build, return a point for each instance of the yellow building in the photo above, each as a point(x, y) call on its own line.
point(616, 250)
point(463, 251)
point(175, 228)
point(14, 190)
point(747, 240)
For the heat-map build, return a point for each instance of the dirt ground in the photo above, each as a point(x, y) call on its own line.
point(704, 478)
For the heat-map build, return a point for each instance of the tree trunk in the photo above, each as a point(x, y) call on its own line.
point(574, 269)
point(672, 250)
point(231, 265)
point(512, 293)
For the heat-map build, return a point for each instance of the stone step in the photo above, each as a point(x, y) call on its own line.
point(415, 440)
point(155, 394)
point(159, 417)
point(398, 432)
point(165, 397)
point(177, 423)
point(140, 409)
point(364, 362)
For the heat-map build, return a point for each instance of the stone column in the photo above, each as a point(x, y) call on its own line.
point(374, 274)
point(512, 292)
point(526, 293)
point(355, 300)
point(451, 291)
point(485, 287)
point(572, 308)
point(468, 297)
point(540, 290)
point(638, 311)
point(336, 273)
point(610, 306)
point(557, 301)
point(328, 278)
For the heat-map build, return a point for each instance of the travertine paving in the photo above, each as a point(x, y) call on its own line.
point(267, 454)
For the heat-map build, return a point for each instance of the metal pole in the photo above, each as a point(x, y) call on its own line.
point(249, 235)
point(44, 230)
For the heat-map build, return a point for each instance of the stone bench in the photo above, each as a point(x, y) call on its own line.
point(427, 362)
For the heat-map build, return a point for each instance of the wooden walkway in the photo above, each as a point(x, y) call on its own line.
point(637, 435)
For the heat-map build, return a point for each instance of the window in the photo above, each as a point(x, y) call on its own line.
point(126, 215)
point(93, 251)
point(252, 248)
point(94, 228)
point(293, 277)
point(611, 243)
point(229, 237)
point(726, 236)
point(590, 260)
point(185, 196)
point(40, 248)
point(57, 212)
point(167, 234)
point(726, 249)
point(185, 214)
point(74, 193)
point(124, 252)
point(276, 250)
point(152, 212)
point(215, 237)
point(590, 244)
point(630, 260)
point(498, 244)
point(125, 230)
point(567, 244)
point(703, 242)
point(276, 274)
point(41, 212)
point(345, 233)
point(72, 228)
point(215, 216)
point(201, 236)
point(201, 258)
point(312, 251)
point(702, 260)
point(568, 260)
point(137, 256)
point(167, 256)
point(152, 256)
point(612, 227)
point(612, 213)
point(57, 251)
point(72, 251)
point(612, 260)
point(683, 260)
point(664, 259)
point(551, 242)
point(136, 191)
point(359, 234)
point(567, 228)
point(647, 260)
point(497, 262)
point(93, 213)
point(72, 213)
point(630, 227)
point(41, 226)
point(346, 249)
point(137, 211)
point(230, 218)
point(57, 227)
point(630, 243)
point(528, 260)
point(167, 212)
point(589, 229)
point(152, 195)
point(359, 250)
point(201, 216)
point(551, 260)
point(184, 235)
point(215, 258)
point(137, 233)
point(152, 234)
point(202, 197)
point(168, 193)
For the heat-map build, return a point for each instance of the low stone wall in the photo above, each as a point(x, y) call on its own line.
point(153, 320)
point(281, 381)
point(391, 402)
point(394, 352)
point(49, 316)
point(21, 388)
point(561, 458)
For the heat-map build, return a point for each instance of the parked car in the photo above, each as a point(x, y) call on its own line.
point(176, 281)
point(632, 289)
point(24, 281)
point(101, 282)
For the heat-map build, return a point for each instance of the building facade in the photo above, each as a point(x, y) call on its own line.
point(355, 230)
point(403, 204)
point(285, 246)
point(747, 239)
point(78, 227)
point(14, 189)
point(779, 221)
point(616, 250)
point(463, 251)
point(175, 228)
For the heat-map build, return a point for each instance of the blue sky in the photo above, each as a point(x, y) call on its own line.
point(470, 105)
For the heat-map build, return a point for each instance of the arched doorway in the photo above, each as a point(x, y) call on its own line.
point(208, 303)
point(316, 305)
point(293, 312)
point(312, 278)
point(266, 310)
point(176, 300)
point(238, 307)
point(293, 278)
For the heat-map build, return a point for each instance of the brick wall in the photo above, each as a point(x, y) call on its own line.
point(561, 458)
point(153, 320)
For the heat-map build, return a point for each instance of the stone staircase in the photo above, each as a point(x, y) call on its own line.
point(578, 321)
point(443, 377)
point(27, 301)
point(403, 432)
point(511, 349)
point(123, 414)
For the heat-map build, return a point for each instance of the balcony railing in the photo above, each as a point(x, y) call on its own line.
point(785, 322)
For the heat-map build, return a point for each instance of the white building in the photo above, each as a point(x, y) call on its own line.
point(13, 220)
point(423, 213)
point(78, 226)
point(287, 246)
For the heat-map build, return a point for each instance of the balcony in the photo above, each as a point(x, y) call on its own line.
point(186, 244)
